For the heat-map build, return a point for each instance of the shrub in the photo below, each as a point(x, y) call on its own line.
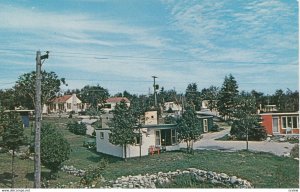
point(93, 174)
point(215, 127)
point(295, 151)
point(77, 128)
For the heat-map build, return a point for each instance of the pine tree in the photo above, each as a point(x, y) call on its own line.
point(193, 96)
point(227, 94)
point(122, 127)
point(13, 137)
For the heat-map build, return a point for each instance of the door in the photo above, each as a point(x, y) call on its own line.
point(157, 137)
point(275, 123)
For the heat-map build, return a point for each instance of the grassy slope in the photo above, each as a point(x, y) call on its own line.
point(262, 169)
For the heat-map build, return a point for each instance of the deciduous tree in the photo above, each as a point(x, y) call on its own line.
point(246, 123)
point(94, 95)
point(122, 127)
point(55, 149)
point(189, 128)
point(25, 87)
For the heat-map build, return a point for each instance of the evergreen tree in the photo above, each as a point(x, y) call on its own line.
point(122, 127)
point(193, 96)
point(227, 94)
point(12, 137)
point(189, 128)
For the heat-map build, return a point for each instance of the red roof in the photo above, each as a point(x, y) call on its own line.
point(61, 99)
point(116, 100)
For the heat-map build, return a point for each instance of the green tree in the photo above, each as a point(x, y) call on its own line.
point(77, 128)
point(278, 99)
point(192, 96)
point(226, 102)
point(12, 137)
point(55, 149)
point(25, 87)
point(8, 99)
point(260, 99)
point(189, 128)
point(94, 95)
point(122, 127)
point(246, 123)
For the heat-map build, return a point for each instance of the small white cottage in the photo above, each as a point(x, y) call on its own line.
point(154, 138)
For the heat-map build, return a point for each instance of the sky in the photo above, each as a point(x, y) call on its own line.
point(121, 44)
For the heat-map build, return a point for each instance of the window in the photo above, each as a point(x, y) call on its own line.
point(109, 135)
point(290, 122)
point(205, 125)
point(69, 105)
point(101, 135)
point(137, 140)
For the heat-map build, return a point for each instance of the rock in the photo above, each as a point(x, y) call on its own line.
point(268, 139)
point(152, 185)
point(199, 178)
point(281, 139)
point(192, 169)
point(213, 181)
point(130, 186)
point(286, 154)
point(223, 176)
point(233, 179)
point(185, 172)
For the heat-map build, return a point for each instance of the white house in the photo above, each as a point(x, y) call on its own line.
point(66, 103)
point(154, 137)
point(176, 108)
point(111, 103)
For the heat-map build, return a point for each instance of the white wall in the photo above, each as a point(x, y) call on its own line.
point(148, 139)
point(104, 146)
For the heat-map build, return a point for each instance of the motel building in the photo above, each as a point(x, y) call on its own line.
point(281, 123)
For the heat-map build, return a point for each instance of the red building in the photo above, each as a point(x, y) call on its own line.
point(281, 123)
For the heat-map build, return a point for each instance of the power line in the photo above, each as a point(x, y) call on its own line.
point(130, 57)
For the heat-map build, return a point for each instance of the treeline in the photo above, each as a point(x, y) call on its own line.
point(221, 98)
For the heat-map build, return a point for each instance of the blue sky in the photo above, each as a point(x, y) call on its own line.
point(121, 44)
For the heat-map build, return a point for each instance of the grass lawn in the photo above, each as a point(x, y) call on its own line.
point(263, 170)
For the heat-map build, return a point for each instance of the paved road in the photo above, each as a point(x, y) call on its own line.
point(208, 142)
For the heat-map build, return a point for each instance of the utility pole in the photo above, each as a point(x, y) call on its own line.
point(38, 107)
point(154, 88)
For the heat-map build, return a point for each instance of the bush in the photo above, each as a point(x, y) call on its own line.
point(77, 128)
point(93, 174)
point(215, 127)
point(89, 144)
point(240, 132)
point(295, 151)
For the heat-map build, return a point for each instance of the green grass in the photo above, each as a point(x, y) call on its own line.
point(263, 170)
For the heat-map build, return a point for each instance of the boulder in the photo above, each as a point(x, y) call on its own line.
point(233, 179)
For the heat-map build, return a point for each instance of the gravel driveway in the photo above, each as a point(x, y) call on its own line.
point(208, 142)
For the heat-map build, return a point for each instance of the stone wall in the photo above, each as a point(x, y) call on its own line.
point(150, 180)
